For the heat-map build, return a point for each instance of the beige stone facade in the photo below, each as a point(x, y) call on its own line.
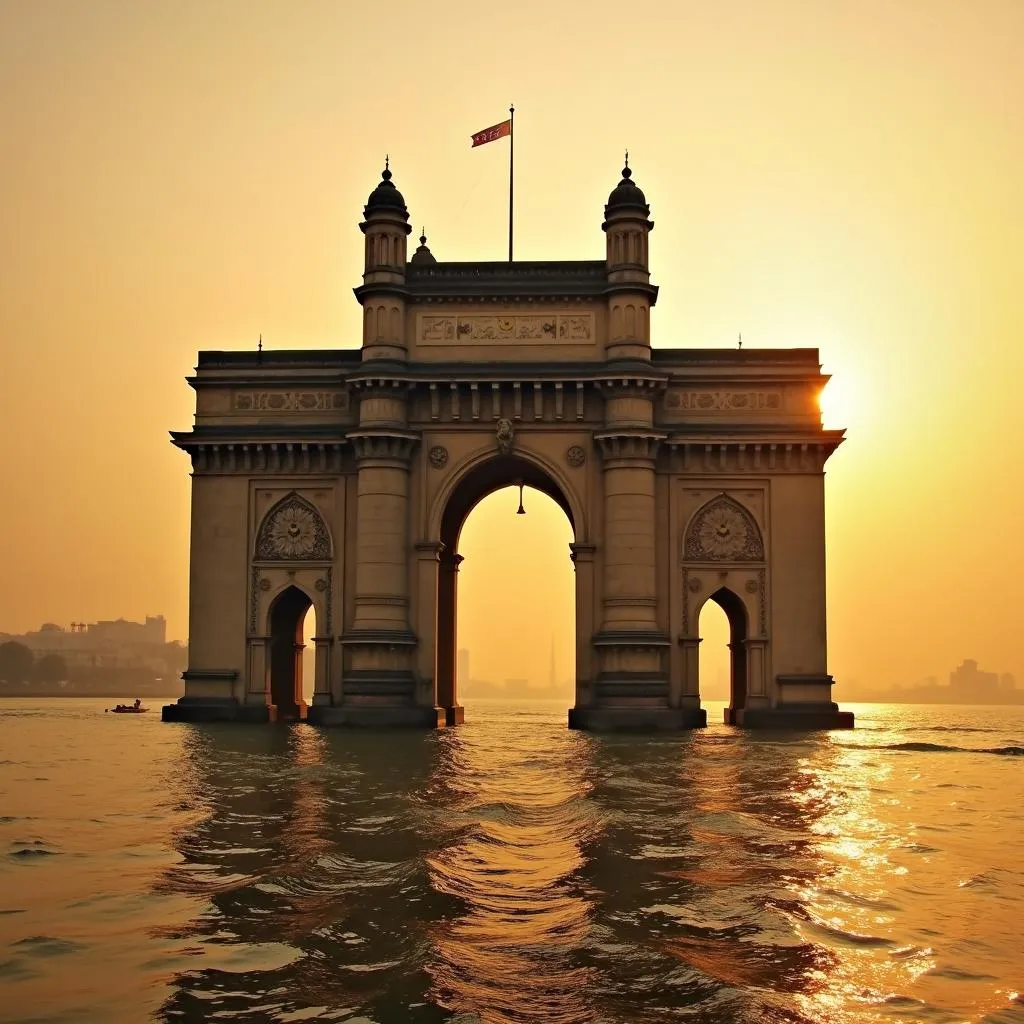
point(341, 479)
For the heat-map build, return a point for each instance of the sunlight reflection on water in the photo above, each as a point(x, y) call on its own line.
point(510, 870)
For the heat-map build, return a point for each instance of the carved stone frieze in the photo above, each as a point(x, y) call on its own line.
point(723, 531)
point(723, 401)
point(290, 401)
point(293, 531)
point(507, 328)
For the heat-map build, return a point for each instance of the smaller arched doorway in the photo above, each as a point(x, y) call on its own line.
point(287, 618)
point(736, 614)
point(476, 484)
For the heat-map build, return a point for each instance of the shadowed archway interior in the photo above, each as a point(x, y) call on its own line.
point(287, 616)
point(492, 475)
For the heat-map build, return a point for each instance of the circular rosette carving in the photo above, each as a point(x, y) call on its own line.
point(293, 531)
point(724, 531)
point(575, 456)
point(438, 456)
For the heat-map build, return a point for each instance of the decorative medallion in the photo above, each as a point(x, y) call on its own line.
point(321, 584)
point(264, 584)
point(438, 456)
point(576, 456)
point(723, 531)
point(293, 531)
point(505, 435)
point(694, 584)
point(751, 586)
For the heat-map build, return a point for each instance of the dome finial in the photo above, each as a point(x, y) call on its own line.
point(386, 173)
point(423, 236)
point(626, 172)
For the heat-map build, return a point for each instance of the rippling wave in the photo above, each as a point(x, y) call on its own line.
point(510, 871)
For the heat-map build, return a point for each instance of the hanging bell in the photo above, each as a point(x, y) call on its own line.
point(520, 511)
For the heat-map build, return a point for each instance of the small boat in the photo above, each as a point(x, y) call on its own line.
point(128, 709)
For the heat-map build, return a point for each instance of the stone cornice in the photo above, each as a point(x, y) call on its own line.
point(227, 457)
point(798, 452)
point(627, 446)
point(384, 445)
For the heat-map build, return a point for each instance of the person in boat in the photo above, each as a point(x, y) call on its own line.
point(137, 704)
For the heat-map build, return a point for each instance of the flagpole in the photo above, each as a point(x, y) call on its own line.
point(511, 150)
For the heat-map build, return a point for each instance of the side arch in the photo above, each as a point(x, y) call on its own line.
point(722, 530)
point(293, 530)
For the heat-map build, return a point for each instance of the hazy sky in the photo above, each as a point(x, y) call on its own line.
point(182, 175)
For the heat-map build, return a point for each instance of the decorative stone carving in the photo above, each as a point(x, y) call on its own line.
point(321, 584)
point(290, 401)
point(264, 584)
point(511, 328)
point(694, 584)
point(751, 586)
point(723, 531)
point(723, 401)
point(293, 531)
point(438, 456)
point(255, 585)
point(576, 456)
point(505, 435)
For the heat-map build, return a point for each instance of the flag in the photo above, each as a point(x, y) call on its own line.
point(497, 131)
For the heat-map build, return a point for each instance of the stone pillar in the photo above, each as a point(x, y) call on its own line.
point(630, 588)
point(447, 638)
point(322, 672)
point(379, 685)
point(427, 560)
point(689, 685)
point(258, 684)
point(757, 692)
point(583, 562)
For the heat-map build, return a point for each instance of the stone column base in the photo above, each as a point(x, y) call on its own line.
point(378, 716)
point(455, 715)
point(626, 719)
point(809, 717)
point(215, 709)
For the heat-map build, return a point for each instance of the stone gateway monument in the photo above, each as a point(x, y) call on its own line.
point(341, 479)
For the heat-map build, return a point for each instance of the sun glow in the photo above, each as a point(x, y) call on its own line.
point(841, 402)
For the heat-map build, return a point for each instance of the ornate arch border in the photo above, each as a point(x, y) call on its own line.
point(480, 456)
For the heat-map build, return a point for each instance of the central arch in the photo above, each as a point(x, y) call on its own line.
point(478, 480)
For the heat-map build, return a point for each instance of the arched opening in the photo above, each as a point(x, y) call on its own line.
point(729, 631)
point(288, 632)
point(512, 622)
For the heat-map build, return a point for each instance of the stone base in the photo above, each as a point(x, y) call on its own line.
point(813, 717)
point(215, 709)
point(378, 716)
point(637, 719)
point(455, 715)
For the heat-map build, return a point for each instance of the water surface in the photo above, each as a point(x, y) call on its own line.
point(510, 870)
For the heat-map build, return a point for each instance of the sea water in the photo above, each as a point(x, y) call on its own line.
point(510, 870)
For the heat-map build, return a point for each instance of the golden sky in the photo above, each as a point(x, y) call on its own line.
point(187, 174)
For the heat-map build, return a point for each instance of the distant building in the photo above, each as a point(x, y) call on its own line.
point(968, 679)
point(117, 643)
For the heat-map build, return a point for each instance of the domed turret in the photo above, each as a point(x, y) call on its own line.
point(627, 225)
point(385, 196)
point(627, 193)
point(422, 255)
point(386, 226)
